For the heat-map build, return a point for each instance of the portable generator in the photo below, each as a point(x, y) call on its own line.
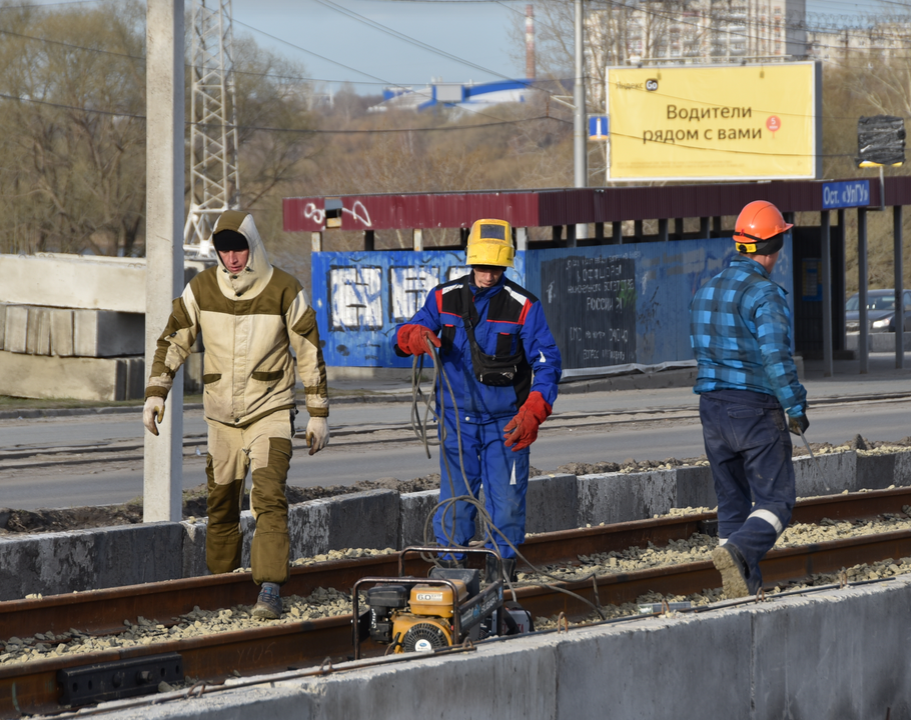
point(427, 614)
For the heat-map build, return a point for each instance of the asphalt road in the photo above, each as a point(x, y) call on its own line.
point(345, 464)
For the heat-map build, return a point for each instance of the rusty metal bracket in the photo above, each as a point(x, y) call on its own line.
point(120, 679)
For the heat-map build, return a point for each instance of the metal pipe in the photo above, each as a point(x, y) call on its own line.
point(899, 287)
point(579, 139)
point(828, 363)
point(863, 330)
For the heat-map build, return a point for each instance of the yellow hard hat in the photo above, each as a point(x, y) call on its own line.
point(490, 243)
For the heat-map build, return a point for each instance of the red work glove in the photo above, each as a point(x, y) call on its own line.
point(412, 339)
point(522, 430)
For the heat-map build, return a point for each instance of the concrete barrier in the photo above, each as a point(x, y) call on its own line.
point(835, 653)
point(552, 503)
point(74, 281)
point(617, 497)
point(878, 341)
point(56, 563)
point(415, 508)
point(96, 379)
point(695, 487)
point(834, 473)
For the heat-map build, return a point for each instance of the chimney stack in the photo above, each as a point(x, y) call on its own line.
point(530, 42)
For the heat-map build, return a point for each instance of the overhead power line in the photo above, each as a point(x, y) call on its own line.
point(302, 131)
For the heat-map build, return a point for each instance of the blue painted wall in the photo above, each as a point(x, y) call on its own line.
point(360, 298)
point(606, 305)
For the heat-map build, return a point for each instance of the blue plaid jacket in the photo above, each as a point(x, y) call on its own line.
point(740, 332)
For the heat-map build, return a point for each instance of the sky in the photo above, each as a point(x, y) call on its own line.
point(361, 41)
point(469, 39)
point(456, 41)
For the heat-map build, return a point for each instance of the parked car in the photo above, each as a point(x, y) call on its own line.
point(880, 311)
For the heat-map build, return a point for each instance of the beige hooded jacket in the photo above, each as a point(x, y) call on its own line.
point(250, 324)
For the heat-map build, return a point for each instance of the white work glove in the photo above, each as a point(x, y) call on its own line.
point(154, 408)
point(317, 434)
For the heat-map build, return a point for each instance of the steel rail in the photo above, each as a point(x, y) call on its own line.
point(32, 687)
point(103, 611)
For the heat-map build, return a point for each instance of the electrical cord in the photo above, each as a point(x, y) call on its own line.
point(483, 521)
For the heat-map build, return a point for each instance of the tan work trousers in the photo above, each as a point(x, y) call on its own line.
point(264, 447)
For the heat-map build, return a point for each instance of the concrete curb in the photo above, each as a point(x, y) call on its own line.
point(56, 563)
point(758, 661)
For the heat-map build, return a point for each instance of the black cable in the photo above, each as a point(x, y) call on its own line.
point(483, 521)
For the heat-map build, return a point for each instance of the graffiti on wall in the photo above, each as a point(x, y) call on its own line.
point(596, 297)
point(358, 212)
point(606, 305)
point(361, 297)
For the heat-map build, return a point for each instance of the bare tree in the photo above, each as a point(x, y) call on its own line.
point(72, 129)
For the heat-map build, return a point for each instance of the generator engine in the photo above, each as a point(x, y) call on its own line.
point(418, 618)
point(443, 610)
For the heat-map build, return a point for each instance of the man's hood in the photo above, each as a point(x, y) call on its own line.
point(250, 281)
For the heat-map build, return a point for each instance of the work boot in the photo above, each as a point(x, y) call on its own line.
point(493, 569)
point(268, 604)
point(735, 576)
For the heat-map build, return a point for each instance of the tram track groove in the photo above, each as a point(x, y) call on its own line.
point(23, 457)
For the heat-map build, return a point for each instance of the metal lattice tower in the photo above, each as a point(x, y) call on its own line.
point(214, 184)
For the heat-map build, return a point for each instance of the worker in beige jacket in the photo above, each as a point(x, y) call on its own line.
point(252, 316)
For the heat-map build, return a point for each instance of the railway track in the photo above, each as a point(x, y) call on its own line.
point(24, 456)
point(35, 686)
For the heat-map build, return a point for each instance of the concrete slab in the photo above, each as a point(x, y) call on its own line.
point(38, 332)
point(835, 473)
point(56, 563)
point(845, 641)
point(415, 508)
point(193, 548)
point(551, 503)
point(105, 283)
point(618, 497)
point(101, 333)
point(16, 331)
point(367, 519)
point(695, 487)
point(838, 653)
point(62, 333)
point(875, 471)
point(902, 475)
point(878, 342)
point(39, 376)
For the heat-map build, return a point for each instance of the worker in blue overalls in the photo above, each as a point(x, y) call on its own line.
point(503, 365)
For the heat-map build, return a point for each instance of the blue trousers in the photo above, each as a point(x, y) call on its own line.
point(749, 449)
point(488, 463)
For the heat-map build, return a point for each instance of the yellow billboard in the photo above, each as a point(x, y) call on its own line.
point(745, 122)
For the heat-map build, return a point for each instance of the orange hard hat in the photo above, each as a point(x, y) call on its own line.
point(759, 221)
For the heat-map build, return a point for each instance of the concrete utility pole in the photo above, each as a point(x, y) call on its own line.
point(162, 466)
point(579, 129)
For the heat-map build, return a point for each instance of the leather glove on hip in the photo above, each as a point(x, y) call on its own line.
point(522, 430)
point(798, 425)
point(412, 339)
point(153, 410)
point(317, 434)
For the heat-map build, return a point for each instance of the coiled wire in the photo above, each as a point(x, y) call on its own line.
point(488, 530)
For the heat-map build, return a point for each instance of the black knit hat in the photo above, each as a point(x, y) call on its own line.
point(227, 240)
